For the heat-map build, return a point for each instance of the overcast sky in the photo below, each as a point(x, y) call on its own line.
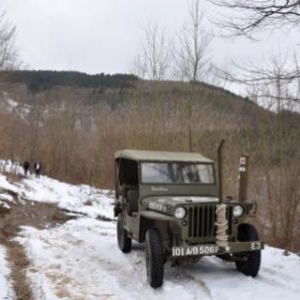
point(96, 36)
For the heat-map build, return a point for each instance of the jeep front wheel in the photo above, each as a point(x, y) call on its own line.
point(154, 258)
point(249, 262)
point(124, 242)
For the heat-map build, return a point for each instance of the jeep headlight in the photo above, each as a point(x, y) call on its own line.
point(238, 211)
point(180, 213)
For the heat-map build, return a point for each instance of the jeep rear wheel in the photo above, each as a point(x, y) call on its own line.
point(154, 258)
point(248, 262)
point(124, 242)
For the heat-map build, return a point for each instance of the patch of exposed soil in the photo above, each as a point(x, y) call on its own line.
point(24, 213)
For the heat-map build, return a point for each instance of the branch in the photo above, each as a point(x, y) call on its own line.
point(251, 15)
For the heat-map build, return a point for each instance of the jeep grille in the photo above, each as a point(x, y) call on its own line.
point(202, 222)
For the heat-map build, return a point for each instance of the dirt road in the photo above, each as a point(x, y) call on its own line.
point(24, 213)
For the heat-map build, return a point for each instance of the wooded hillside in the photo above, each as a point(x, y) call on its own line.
point(38, 81)
point(74, 129)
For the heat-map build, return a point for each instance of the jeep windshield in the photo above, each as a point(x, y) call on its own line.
point(176, 173)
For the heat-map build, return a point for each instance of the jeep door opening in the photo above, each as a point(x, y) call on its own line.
point(171, 202)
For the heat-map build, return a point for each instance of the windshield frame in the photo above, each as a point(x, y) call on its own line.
point(177, 183)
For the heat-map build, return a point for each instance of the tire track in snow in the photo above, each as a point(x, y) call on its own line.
point(175, 280)
point(84, 254)
point(278, 278)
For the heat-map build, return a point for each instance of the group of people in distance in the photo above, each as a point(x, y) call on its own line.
point(37, 168)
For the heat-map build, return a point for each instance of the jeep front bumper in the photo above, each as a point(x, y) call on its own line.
point(213, 249)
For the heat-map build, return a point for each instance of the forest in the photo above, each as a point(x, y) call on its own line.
point(38, 81)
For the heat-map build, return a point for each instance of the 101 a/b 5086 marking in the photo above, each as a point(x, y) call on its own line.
point(195, 250)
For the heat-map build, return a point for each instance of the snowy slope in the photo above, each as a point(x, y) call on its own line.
point(81, 260)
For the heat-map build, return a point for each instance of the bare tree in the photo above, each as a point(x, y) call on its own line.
point(245, 17)
point(275, 85)
point(153, 58)
point(276, 149)
point(191, 55)
point(8, 52)
point(265, 81)
point(249, 18)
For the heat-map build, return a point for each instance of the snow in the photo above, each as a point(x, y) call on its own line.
point(5, 286)
point(6, 185)
point(81, 260)
point(12, 105)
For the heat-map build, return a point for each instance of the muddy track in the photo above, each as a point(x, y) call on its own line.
point(24, 213)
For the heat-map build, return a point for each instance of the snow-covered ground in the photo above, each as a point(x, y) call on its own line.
point(81, 260)
point(5, 286)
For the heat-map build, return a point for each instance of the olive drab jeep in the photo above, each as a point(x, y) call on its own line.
point(171, 202)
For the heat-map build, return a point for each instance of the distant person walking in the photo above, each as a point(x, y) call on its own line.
point(37, 169)
point(26, 167)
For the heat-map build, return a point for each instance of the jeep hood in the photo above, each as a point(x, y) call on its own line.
point(165, 203)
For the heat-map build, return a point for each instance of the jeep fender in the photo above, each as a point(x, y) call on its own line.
point(154, 219)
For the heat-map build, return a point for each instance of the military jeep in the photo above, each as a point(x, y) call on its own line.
point(171, 201)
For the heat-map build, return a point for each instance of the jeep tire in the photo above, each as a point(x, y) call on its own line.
point(249, 262)
point(124, 242)
point(154, 258)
